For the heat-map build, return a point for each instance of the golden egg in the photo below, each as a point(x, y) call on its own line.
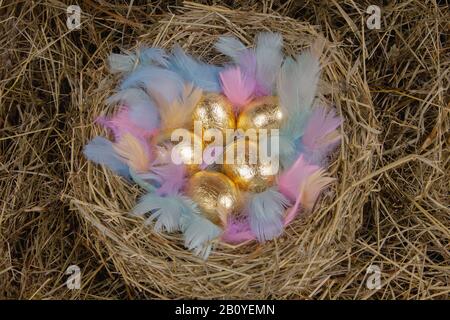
point(214, 111)
point(188, 151)
point(261, 113)
point(215, 194)
point(248, 172)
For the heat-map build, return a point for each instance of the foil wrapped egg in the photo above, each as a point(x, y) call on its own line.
point(215, 194)
point(261, 113)
point(248, 172)
point(214, 111)
point(187, 152)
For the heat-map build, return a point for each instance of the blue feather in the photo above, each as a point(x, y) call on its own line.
point(265, 211)
point(124, 63)
point(231, 47)
point(198, 233)
point(201, 74)
point(156, 81)
point(268, 59)
point(167, 211)
point(101, 151)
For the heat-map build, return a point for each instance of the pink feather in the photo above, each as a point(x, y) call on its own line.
point(121, 123)
point(238, 86)
point(320, 135)
point(302, 184)
point(171, 176)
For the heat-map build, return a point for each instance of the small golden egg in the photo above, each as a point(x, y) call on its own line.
point(261, 113)
point(246, 170)
point(214, 111)
point(189, 152)
point(215, 194)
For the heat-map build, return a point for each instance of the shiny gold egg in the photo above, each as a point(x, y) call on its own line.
point(215, 194)
point(261, 113)
point(188, 151)
point(248, 172)
point(214, 111)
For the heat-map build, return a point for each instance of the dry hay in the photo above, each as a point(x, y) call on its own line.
point(287, 267)
point(390, 85)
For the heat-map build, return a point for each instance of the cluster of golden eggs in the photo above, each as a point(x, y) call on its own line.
point(217, 194)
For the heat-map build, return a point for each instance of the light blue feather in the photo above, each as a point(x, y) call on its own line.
point(198, 233)
point(167, 211)
point(265, 211)
point(101, 151)
point(155, 81)
point(268, 59)
point(202, 75)
point(296, 86)
point(231, 47)
point(143, 111)
point(124, 63)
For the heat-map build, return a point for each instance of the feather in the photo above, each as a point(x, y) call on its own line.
point(121, 123)
point(231, 47)
point(237, 86)
point(155, 80)
point(265, 211)
point(198, 233)
point(142, 110)
point(297, 84)
point(101, 151)
point(237, 231)
point(167, 211)
point(134, 152)
point(302, 184)
point(178, 113)
point(320, 135)
point(171, 177)
point(268, 59)
point(123, 63)
point(199, 73)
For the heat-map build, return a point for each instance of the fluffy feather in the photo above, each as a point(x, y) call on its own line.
point(155, 80)
point(265, 211)
point(268, 59)
point(198, 233)
point(134, 152)
point(297, 85)
point(237, 86)
point(237, 231)
point(121, 123)
point(123, 63)
point(167, 211)
point(231, 47)
point(200, 74)
point(142, 110)
point(320, 135)
point(302, 184)
point(101, 151)
point(178, 113)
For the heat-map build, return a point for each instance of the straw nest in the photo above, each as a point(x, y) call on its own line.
point(158, 263)
point(390, 85)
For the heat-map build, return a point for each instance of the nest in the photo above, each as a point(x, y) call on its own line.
point(298, 261)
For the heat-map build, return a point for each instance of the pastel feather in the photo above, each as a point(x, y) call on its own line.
point(302, 184)
point(142, 110)
point(231, 47)
point(134, 152)
point(265, 211)
point(155, 80)
point(198, 234)
point(178, 112)
point(100, 150)
point(121, 123)
point(201, 74)
point(237, 86)
point(124, 63)
point(268, 59)
point(320, 135)
point(167, 211)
